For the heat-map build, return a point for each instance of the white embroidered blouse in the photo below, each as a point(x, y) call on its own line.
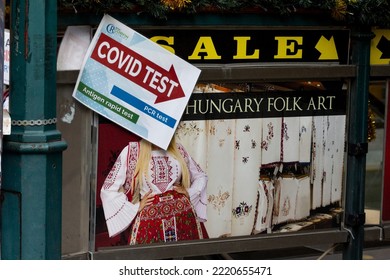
point(164, 173)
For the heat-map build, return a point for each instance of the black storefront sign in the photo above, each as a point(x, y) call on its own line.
point(254, 45)
point(237, 105)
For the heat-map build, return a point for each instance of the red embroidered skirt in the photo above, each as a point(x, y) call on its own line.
point(171, 217)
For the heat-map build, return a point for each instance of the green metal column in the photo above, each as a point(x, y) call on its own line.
point(357, 143)
point(32, 155)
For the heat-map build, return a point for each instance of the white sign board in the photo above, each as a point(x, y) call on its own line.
point(134, 82)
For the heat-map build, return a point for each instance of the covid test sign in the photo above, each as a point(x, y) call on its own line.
point(134, 82)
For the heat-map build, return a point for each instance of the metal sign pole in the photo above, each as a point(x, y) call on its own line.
point(357, 144)
point(32, 156)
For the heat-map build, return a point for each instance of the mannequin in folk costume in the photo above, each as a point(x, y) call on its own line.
point(160, 195)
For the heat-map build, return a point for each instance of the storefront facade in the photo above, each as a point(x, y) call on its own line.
point(286, 69)
point(279, 108)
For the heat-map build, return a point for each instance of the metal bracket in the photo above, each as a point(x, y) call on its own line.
point(358, 149)
point(354, 220)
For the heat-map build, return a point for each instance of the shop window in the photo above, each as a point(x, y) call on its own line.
point(273, 152)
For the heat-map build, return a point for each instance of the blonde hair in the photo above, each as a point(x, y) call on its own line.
point(142, 166)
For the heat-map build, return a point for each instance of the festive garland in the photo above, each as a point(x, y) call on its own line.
point(371, 124)
point(361, 12)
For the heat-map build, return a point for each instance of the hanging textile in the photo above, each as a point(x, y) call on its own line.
point(275, 209)
point(271, 141)
point(264, 206)
point(193, 136)
point(317, 169)
point(247, 162)
point(303, 198)
point(270, 192)
point(220, 167)
point(287, 199)
point(338, 157)
point(290, 140)
point(261, 210)
point(305, 129)
point(329, 134)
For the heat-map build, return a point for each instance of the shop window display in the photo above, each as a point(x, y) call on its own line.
point(273, 154)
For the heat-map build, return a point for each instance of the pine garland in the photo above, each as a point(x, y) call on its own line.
point(360, 12)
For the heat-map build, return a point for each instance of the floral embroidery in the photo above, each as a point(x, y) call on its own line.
point(218, 201)
point(265, 143)
point(284, 131)
point(254, 144)
point(247, 128)
point(286, 207)
point(188, 129)
point(284, 137)
point(237, 144)
point(242, 210)
point(212, 130)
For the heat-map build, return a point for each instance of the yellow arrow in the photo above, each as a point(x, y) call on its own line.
point(375, 54)
point(327, 48)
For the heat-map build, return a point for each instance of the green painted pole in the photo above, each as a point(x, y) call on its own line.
point(357, 143)
point(32, 156)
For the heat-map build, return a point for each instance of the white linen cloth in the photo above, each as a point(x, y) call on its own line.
point(305, 129)
point(290, 140)
point(317, 167)
point(264, 206)
point(247, 162)
point(271, 141)
point(286, 200)
point(193, 136)
point(220, 166)
point(303, 198)
point(338, 157)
